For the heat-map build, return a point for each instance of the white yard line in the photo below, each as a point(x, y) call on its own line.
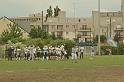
point(116, 65)
point(10, 71)
point(42, 69)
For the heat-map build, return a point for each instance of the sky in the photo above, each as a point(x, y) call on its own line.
point(83, 8)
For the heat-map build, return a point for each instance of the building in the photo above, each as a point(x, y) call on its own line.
point(4, 22)
point(111, 23)
point(60, 26)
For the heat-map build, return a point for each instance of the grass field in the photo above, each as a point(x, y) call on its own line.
point(90, 69)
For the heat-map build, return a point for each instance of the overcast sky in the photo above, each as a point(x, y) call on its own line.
point(13, 8)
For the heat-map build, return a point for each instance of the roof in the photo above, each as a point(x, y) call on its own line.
point(24, 24)
point(14, 23)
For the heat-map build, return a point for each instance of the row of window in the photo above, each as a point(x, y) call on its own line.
point(77, 20)
point(81, 33)
point(113, 14)
point(60, 27)
point(28, 19)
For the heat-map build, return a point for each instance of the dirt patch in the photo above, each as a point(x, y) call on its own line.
point(114, 74)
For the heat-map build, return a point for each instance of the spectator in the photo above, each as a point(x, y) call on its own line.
point(10, 53)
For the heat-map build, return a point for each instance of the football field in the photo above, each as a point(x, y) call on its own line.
point(90, 69)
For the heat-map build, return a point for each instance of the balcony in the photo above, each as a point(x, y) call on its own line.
point(119, 29)
point(84, 30)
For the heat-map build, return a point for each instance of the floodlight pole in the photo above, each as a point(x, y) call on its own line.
point(99, 46)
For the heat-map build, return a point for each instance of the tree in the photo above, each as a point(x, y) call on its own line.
point(53, 36)
point(35, 32)
point(49, 12)
point(102, 39)
point(38, 32)
point(117, 37)
point(56, 11)
point(5, 36)
point(13, 32)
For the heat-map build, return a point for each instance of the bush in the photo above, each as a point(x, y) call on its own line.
point(121, 49)
point(16, 40)
point(115, 50)
point(13, 32)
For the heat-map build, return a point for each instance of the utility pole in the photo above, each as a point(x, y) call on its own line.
point(42, 19)
point(110, 27)
point(111, 21)
point(74, 19)
point(99, 45)
point(107, 30)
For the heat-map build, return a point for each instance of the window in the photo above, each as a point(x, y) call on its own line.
point(67, 26)
point(38, 19)
point(83, 33)
point(84, 27)
point(45, 28)
point(73, 26)
point(53, 26)
point(59, 27)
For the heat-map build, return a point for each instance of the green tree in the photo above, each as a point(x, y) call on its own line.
point(53, 36)
point(13, 32)
point(56, 11)
point(38, 32)
point(35, 32)
point(5, 36)
point(102, 39)
point(49, 12)
point(117, 37)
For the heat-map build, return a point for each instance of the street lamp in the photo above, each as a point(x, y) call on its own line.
point(99, 48)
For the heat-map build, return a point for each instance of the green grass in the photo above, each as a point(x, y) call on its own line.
point(90, 69)
point(86, 63)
